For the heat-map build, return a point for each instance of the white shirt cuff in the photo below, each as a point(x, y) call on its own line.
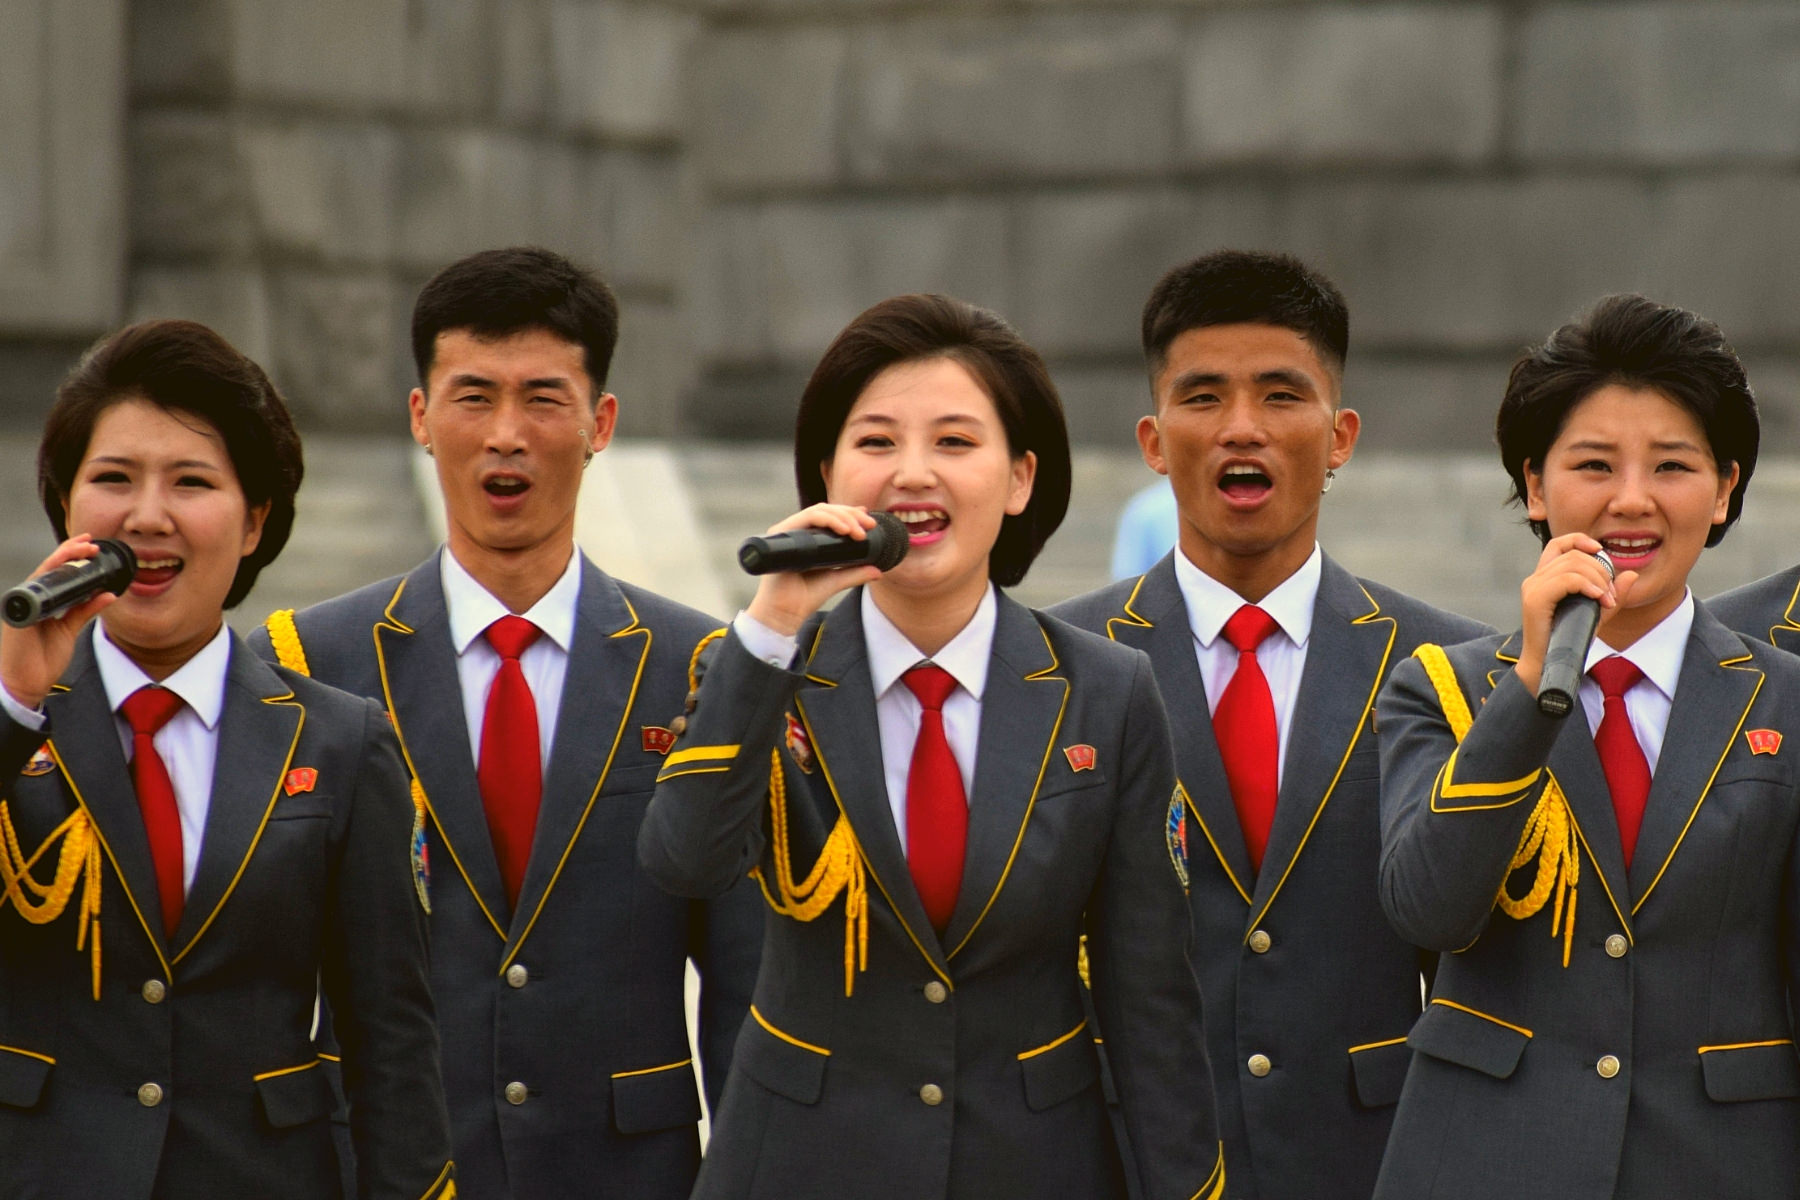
point(776, 649)
point(31, 718)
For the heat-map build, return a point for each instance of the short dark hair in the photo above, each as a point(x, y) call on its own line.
point(1246, 287)
point(180, 366)
point(1637, 343)
point(497, 293)
point(919, 327)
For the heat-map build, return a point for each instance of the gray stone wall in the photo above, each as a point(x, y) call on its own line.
point(751, 173)
point(1472, 173)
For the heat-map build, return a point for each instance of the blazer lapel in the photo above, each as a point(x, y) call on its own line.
point(1021, 711)
point(1155, 621)
point(1346, 659)
point(424, 697)
point(606, 663)
point(258, 731)
point(79, 715)
point(838, 707)
point(1718, 683)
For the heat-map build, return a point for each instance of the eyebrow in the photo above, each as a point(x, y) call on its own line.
point(1282, 375)
point(1600, 444)
point(465, 379)
point(182, 464)
point(883, 419)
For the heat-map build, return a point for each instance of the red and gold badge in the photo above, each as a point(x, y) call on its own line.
point(1081, 757)
point(300, 779)
point(799, 745)
point(658, 740)
point(1763, 741)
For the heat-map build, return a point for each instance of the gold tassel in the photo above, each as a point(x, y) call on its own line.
point(79, 853)
point(838, 870)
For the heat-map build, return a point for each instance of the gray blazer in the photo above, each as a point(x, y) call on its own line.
point(1768, 609)
point(577, 995)
point(195, 1072)
point(1297, 962)
point(1660, 1061)
point(959, 1067)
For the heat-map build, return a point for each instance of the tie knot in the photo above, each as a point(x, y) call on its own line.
point(931, 684)
point(150, 708)
point(1248, 628)
point(1615, 675)
point(510, 636)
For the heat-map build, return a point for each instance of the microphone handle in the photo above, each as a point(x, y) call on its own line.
point(800, 550)
point(1565, 658)
point(62, 588)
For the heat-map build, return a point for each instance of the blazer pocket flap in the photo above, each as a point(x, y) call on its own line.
point(1379, 1071)
point(782, 1065)
point(1469, 1040)
point(22, 1076)
point(296, 1097)
point(1751, 1072)
point(659, 1098)
point(1061, 1072)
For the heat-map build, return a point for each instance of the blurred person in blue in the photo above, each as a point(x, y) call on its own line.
point(1148, 526)
point(533, 696)
point(1620, 886)
point(205, 844)
point(941, 792)
point(1269, 655)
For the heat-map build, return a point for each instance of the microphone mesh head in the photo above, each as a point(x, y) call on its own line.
point(889, 539)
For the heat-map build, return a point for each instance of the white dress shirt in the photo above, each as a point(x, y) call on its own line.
point(545, 663)
point(1658, 655)
point(1282, 656)
point(897, 710)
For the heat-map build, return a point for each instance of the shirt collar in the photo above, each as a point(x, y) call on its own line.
point(1210, 603)
point(200, 681)
point(472, 608)
point(1657, 654)
point(965, 656)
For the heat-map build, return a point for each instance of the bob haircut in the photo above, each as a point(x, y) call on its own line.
point(497, 293)
point(918, 327)
point(1246, 287)
point(1637, 343)
point(180, 366)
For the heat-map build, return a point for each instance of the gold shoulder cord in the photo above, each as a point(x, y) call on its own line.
point(839, 869)
point(284, 635)
point(1549, 834)
point(46, 902)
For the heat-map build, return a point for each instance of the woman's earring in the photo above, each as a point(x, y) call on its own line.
point(1329, 476)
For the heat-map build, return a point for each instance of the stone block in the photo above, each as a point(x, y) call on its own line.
point(323, 190)
point(1471, 264)
point(232, 300)
point(1660, 82)
point(616, 67)
point(523, 79)
point(1725, 245)
point(1087, 259)
point(1388, 82)
point(189, 188)
point(1424, 404)
point(464, 190)
point(180, 49)
point(802, 270)
point(1058, 95)
point(641, 235)
point(343, 54)
point(768, 106)
point(1102, 403)
point(725, 281)
point(30, 371)
point(652, 368)
point(334, 347)
point(450, 57)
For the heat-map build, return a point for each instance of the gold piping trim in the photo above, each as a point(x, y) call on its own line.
point(331, 1058)
point(1748, 1045)
point(1476, 1012)
point(652, 1070)
point(699, 753)
point(442, 1181)
point(789, 1038)
point(1376, 1045)
point(285, 1071)
point(1214, 1187)
point(1213, 842)
point(29, 1054)
point(664, 775)
point(1049, 1046)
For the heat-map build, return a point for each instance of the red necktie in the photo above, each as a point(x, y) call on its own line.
point(510, 770)
point(1627, 770)
point(937, 812)
point(147, 710)
point(1244, 725)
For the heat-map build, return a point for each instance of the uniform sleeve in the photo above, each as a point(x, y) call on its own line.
point(377, 979)
point(1144, 991)
point(703, 830)
point(725, 944)
point(1451, 816)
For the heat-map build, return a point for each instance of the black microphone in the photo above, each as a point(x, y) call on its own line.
point(62, 588)
point(1565, 659)
point(808, 549)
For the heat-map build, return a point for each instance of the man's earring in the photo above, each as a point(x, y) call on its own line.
point(429, 452)
point(587, 448)
point(1329, 476)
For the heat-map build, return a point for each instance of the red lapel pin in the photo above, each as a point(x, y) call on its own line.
point(301, 779)
point(1763, 741)
point(1081, 757)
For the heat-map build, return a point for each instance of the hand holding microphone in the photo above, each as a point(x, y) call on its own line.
point(46, 612)
point(1564, 602)
point(793, 557)
point(1572, 628)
